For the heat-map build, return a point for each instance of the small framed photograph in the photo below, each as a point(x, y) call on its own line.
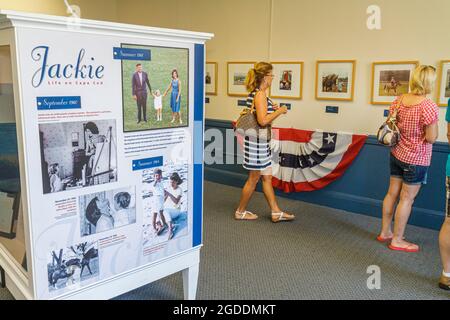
point(335, 79)
point(237, 72)
point(288, 80)
point(390, 79)
point(444, 83)
point(211, 78)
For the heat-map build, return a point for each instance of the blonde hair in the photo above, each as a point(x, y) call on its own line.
point(422, 80)
point(256, 75)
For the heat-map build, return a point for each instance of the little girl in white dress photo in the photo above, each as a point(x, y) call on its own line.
point(157, 103)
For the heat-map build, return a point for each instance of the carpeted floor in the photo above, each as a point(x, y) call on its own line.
point(324, 254)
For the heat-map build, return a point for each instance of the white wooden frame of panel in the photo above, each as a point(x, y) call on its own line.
point(20, 283)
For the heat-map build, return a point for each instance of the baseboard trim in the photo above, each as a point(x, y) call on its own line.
point(356, 204)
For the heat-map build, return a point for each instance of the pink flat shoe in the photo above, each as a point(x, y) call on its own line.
point(405, 249)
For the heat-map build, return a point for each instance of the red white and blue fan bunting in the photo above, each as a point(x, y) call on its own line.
point(310, 160)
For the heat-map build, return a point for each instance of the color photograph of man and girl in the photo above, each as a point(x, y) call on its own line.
point(155, 92)
point(164, 196)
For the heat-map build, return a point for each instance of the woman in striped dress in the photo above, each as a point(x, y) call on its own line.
point(257, 156)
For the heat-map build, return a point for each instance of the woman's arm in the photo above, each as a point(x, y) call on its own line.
point(263, 118)
point(448, 132)
point(90, 148)
point(179, 90)
point(167, 90)
point(172, 197)
point(431, 133)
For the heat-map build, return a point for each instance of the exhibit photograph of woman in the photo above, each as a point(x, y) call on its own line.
point(257, 154)
point(175, 97)
point(410, 159)
point(92, 138)
point(107, 210)
point(172, 203)
point(77, 154)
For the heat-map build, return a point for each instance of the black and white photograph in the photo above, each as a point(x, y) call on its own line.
point(107, 210)
point(165, 202)
point(70, 266)
point(78, 154)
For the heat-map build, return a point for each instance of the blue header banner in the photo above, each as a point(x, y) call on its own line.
point(132, 54)
point(147, 163)
point(55, 103)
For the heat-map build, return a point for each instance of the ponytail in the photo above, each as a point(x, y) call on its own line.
point(250, 81)
point(256, 75)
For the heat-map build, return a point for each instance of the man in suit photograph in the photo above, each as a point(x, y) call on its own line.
point(139, 82)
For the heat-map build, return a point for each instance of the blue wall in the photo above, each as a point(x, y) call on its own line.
point(363, 186)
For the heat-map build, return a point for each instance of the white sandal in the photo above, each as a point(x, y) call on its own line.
point(282, 216)
point(244, 214)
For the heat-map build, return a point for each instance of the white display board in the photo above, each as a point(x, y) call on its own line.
point(109, 116)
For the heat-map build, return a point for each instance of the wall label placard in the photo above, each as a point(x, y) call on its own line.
point(332, 109)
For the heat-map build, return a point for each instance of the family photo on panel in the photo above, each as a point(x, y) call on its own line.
point(140, 83)
point(155, 91)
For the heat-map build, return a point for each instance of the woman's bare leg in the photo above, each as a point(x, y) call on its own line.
point(272, 201)
point(269, 193)
point(407, 196)
point(247, 191)
point(390, 199)
point(444, 245)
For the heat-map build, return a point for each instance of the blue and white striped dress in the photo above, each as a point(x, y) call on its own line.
point(257, 155)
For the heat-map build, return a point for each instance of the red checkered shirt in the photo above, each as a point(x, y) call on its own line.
point(412, 121)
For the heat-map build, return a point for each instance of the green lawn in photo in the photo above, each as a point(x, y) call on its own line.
point(159, 70)
point(402, 89)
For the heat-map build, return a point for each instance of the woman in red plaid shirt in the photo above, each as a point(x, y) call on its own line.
point(411, 157)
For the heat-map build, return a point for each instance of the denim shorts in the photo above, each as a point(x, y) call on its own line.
point(409, 173)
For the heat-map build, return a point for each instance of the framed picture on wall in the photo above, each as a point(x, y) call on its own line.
point(335, 79)
point(211, 78)
point(237, 72)
point(288, 80)
point(390, 79)
point(444, 83)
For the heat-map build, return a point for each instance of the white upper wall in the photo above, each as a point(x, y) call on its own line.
point(304, 30)
point(291, 30)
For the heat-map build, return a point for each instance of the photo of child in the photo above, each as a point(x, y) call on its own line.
point(56, 184)
point(157, 103)
point(164, 196)
point(71, 163)
point(157, 190)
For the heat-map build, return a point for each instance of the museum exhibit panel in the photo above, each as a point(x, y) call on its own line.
point(98, 195)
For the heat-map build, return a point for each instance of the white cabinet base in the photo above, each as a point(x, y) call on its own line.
point(187, 262)
point(190, 280)
point(116, 286)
